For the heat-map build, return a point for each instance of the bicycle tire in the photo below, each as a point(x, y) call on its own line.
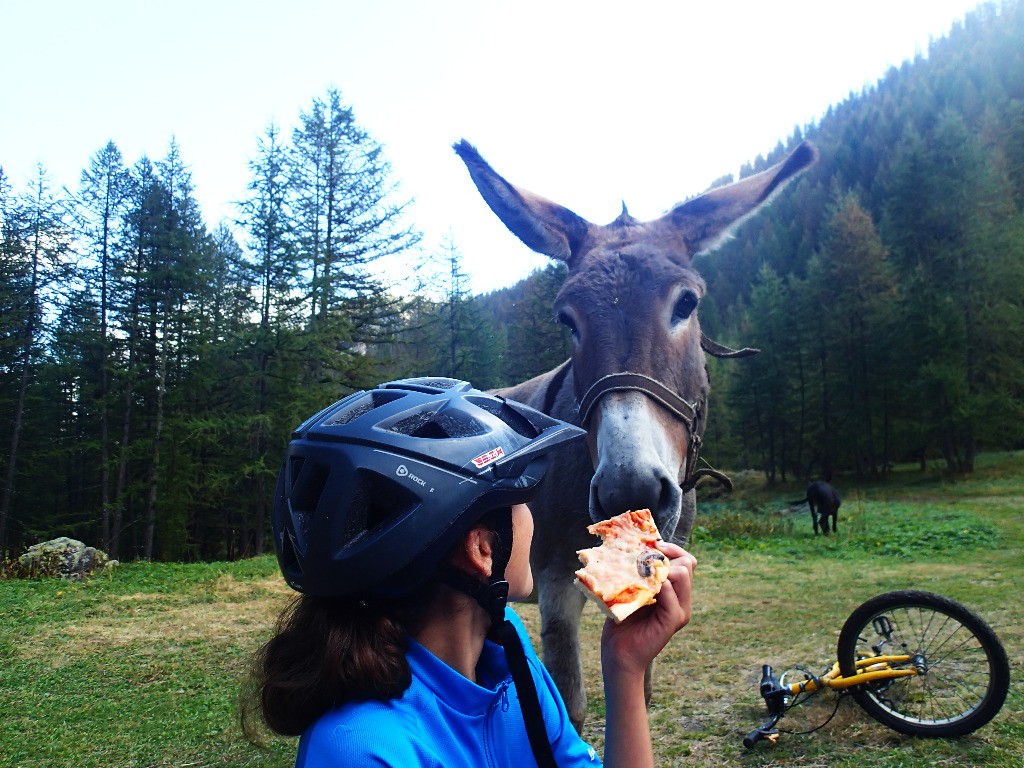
point(967, 677)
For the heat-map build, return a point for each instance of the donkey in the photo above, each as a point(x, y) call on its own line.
point(823, 501)
point(636, 379)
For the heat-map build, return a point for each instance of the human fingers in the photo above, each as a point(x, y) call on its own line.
point(630, 645)
point(676, 553)
point(680, 581)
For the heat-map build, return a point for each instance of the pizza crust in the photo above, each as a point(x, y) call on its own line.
point(626, 571)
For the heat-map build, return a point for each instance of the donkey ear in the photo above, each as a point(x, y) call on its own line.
point(708, 219)
point(544, 226)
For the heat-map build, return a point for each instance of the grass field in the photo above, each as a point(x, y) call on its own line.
point(141, 667)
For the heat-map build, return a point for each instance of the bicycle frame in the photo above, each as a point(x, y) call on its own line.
point(776, 696)
point(875, 668)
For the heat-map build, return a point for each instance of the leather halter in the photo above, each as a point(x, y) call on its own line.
point(625, 381)
point(691, 414)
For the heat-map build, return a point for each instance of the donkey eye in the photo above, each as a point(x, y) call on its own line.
point(564, 319)
point(685, 304)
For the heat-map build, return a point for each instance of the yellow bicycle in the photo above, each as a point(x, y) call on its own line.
point(918, 662)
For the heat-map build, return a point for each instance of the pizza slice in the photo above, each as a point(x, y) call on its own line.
point(626, 571)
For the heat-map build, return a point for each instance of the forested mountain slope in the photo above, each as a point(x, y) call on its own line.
point(885, 288)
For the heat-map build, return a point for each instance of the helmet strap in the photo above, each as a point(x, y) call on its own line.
point(492, 595)
point(526, 689)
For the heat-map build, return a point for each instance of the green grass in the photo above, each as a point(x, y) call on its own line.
point(891, 529)
point(142, 667)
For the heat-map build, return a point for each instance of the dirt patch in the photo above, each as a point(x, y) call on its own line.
point(232, 612)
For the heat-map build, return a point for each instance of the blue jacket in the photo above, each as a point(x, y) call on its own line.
point(446, 720)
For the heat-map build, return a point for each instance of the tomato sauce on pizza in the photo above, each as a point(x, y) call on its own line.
point(626, 571)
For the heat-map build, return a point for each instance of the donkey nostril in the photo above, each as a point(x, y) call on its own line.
point(619, 489)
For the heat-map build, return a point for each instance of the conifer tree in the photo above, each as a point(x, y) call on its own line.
point(536, 341)
point(37, 247)
point(945, 209)
point(348, 218)
point(857, 298)
point(99, 208)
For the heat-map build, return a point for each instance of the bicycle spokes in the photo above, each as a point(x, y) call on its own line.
point(953, 687)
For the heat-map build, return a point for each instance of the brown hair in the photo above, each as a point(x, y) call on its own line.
point(326, 652)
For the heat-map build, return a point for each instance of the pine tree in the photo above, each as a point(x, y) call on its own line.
point(37, 249)
point(270, 274)
point(99, 208)
point(536, 341)
point(857, 300)
point(348, 218)
point(762, 392)
point(946, 211)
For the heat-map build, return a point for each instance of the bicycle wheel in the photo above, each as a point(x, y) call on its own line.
point(965, 677)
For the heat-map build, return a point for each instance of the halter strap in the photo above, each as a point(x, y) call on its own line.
point(690, 414)
point(627, 380)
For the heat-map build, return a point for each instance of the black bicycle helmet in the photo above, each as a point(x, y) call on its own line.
point(376, 488)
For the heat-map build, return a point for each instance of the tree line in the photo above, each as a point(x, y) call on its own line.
point(151, 368)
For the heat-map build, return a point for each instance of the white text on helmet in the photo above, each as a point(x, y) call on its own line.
point(486, 458)
point(403, 471)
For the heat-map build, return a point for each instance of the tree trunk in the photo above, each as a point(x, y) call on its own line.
point(149, 514)
point(105, 528)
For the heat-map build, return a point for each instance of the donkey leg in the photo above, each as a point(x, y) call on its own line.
point(649, 682)
point(561, 604)
point(814, 518)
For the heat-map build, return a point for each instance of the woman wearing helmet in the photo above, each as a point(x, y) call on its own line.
point(400, 517)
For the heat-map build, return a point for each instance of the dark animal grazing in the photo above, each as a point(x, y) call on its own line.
point(824, 502)
point(636, 379)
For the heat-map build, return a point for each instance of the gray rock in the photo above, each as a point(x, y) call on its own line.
point(64, 557)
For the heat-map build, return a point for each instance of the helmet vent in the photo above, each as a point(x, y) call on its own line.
point(289, 561)
point(308, 481)
point(507, 414)
point(376, 502)
point(427, 384)
point(417, 425)
point(438, 383)
point(438, 425)
point(362, 406)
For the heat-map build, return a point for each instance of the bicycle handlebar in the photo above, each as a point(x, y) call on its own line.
point(769, 682)
point(771, 692)
point(764, 731)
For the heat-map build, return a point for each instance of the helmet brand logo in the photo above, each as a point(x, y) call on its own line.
point(486, 458)
point(403, 471)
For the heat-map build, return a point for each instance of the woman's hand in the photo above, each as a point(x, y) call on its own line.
point(626, 650)
point(628, 647)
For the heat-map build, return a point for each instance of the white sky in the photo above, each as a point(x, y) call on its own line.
point(589, 103)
